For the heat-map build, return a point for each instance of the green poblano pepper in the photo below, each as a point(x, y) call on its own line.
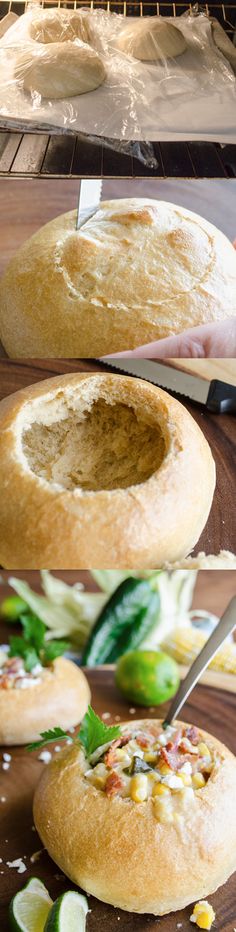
point(123, 623)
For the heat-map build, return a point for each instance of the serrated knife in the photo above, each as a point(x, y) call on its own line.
point(89, 199)
point(218, 397)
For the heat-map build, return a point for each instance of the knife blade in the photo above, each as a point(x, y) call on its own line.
point(218, 397)
point(89, 199)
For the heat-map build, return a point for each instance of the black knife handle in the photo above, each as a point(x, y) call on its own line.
point(221, 397)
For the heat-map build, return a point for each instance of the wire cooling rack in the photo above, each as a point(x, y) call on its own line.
point(58, 155)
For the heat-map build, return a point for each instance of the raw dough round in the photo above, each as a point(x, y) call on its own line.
point(152, 38)
point(60, 70)
point(59, 26)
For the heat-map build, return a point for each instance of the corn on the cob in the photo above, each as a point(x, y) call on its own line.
point(185, 643)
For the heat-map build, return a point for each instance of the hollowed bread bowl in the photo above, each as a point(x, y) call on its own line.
point(62, 695)
point(100, 470)
point(119, 851)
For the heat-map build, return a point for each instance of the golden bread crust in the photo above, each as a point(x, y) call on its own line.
point(138, 270)
point(116, 850)
point(43, 524)
point(62, 696)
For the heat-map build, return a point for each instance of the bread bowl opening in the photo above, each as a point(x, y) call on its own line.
point(108, 446)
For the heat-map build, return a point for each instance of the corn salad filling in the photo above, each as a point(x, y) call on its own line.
point(168, 766)
point(13, 674)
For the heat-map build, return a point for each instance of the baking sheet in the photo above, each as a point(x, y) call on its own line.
point(193, 97)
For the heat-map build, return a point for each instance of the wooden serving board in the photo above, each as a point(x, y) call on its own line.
point(208, 709)
point(220, 431)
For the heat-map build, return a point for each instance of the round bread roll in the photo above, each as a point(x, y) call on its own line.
point(151, 39)
point(58, 25)
point(62, 69)
point(100, 470)
point(137, 271)
point(60, 693)
point(153, 856)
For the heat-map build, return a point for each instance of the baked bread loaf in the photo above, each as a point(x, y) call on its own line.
point(125, 842)
point(100, 470)
point(31, 704)
point(58, 25)
point(59, 69)
point(137, 271)
point(151, 38)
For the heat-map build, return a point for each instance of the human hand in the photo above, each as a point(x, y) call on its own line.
point(204, 342)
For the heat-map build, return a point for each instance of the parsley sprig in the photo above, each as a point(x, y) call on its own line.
point(32, 646)
point(93, 734)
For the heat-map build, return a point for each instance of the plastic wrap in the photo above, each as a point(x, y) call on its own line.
point(84, 75)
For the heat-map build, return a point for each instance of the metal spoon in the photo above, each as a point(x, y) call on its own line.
point(225, 626)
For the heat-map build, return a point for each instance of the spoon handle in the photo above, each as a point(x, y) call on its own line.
point(225, 626)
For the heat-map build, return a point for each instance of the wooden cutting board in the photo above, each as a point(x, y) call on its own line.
point(208, 709)
point(220, 431)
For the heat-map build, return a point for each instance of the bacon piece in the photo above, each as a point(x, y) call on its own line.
point(145, 741)
point(14, 664)
point(113, 784)
point(192, 734)
point(6, 682)
point(171, 757)
point(110, 756)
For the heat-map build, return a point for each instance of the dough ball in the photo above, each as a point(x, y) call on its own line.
point(152, 39)
point(60, 70)
point(59, 26)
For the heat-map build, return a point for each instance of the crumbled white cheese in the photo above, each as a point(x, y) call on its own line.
point(45, 756)
point(175, 783)
point(3, 799)
point(186, 768)
point(27, 681)
point(6, 756)
point(36, 669)
point(19, 864)
point(187, 746)
point(106, 715)
point(5, 765)
point(0, 860)
point(57, 748)
point(132, 711)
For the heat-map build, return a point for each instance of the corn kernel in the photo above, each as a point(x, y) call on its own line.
point(99, 782)
point(186, 779)
point(164, 769)
point(203, 749)
point(139, 788)
point(160, 790)
point(203, 915)
point(198, 781)
point(150, 757)
point(163, 810)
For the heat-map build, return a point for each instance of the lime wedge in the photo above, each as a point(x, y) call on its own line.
point(68, 913)
point(29, 909)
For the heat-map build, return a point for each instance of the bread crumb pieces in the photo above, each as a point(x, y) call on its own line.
point(203, 915)
point(19, 864)
point(117, 718)
point(45, 756)
point(132, 711)
point(3, 799)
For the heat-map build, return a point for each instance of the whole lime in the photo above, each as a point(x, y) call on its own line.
point(147, 677)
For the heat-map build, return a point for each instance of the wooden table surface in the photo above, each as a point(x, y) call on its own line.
point(219, 430)
point(208, 709)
